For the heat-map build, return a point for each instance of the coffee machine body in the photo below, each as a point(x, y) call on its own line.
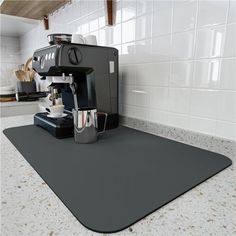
point(94, 73)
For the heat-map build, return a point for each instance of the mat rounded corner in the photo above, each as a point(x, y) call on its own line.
point(5, 131)
point(106, 231)
point(228, 161)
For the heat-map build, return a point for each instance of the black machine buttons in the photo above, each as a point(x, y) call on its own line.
point(74, 56)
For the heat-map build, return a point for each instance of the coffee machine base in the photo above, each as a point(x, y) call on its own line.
point(58, 127)
point(64, 127)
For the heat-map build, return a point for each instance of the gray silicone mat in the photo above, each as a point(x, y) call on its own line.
point(126, 175)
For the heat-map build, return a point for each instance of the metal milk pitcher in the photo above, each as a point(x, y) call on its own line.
point(86, 125)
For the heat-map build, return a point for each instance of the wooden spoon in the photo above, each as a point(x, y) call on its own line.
point(27, 64)
point(27, 69)
point(21, 75)
point(31, 74)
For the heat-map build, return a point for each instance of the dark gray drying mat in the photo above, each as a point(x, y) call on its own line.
point(126, 175)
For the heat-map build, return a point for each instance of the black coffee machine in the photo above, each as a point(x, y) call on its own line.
point(82, 74)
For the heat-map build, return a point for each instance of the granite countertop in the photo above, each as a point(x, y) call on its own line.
point(15, 103)
point(29, 207)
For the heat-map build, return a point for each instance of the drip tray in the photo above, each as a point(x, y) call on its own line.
point(126, 175)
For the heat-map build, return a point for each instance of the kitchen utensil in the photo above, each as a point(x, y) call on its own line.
point(29, 71)
point(22, 67)
point(27, 64)
point(21, 75)
point(78, 38)
point(31, 74)
point(86, 125)
point(91, 40)
point(59, 38)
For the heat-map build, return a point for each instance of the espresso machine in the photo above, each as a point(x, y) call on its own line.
point(84, 76)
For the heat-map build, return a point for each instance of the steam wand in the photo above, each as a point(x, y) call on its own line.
point(73, 88)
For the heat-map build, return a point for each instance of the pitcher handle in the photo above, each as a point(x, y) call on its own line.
point(105, 123)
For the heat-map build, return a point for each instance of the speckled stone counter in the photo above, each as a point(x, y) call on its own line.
point(29, 207)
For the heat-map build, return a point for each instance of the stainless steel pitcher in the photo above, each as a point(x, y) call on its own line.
point(86, 125)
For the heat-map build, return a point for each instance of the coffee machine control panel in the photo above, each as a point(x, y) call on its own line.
point(44, 59)
point(74, 56)
point(50, 60)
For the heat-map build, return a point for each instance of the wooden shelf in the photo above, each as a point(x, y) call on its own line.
point(33, 9)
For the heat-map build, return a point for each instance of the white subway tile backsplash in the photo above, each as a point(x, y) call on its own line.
point(162, 4)
point(230, 42)
point(9, 59)
point(226, 106)
point(226, 130)
point(159, 98)
point(127, 110)
point(142, 77)
point(84, 8)
point(75, 11)
point(144, 7)
point(127, 75)
point(92, 6)
point(179, 100)
point(161, 48)
point(184, 15)
point(84, 25)
point(93, 22)
point(176, 58)
point(153, 74)
point(161, 23)
point(128, 31)
point(102, 19)
point(128, 10)
point(182, 121)
point(210, 42)
point(9, 43)
point(232, 11)
point(204, 103)
point(141, 113)
point(143, 27)
point(128, 94)
point(181, 74)
point(143, 51)
point(161, 74)
point(142, 96)
point(103, 39)
point(115, 34)
point(212, 12)
point(206, 73)
point(183, 45)
point(117, 10)
point(158, 116)
point(203, 125)
point(228, 74)
point(128, 49)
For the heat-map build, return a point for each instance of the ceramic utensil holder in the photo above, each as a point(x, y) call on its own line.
point(26, 86)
